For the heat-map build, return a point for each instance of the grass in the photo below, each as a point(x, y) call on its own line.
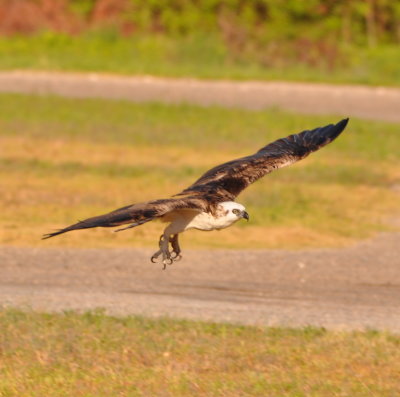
point(68, 159)
point(92, 354)
point(202, 56)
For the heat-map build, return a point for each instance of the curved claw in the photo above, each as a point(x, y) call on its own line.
point(176, 257)
point(167, 261)
point(168, 257)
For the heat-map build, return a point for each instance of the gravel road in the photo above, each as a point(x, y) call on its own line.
point(375, 103)
point(351, 288)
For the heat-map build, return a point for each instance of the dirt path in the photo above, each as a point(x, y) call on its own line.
point(375, 103)
point(352, 288)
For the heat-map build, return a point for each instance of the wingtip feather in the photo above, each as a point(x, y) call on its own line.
point(343, 123)
point(49, 235)
point(332, 131)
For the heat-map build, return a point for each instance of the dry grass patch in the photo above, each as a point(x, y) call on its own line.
point(96, 355)
point(60, 151)
point(64, 160)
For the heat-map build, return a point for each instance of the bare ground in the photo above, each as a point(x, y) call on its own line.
point(375, 103)
point(352, 288)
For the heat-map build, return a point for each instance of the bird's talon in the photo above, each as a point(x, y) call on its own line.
point(168, 257)
point(168, 262)
point(176, 257)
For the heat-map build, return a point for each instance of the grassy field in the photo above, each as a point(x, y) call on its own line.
point(202, 56)
point(67, 159)
point(92, 354)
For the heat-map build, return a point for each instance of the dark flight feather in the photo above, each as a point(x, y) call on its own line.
point(229, 179)
point(221, 183)
point(136, 214)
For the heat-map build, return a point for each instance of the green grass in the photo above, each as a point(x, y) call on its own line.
point(92, 354)
point(68, 159)
point(203, 56)
point(97, 121)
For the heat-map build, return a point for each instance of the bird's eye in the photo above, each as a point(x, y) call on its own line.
point(235, 211)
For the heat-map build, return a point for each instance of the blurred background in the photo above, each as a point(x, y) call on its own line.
point(65, 159)
point(317, 40)
point(83, 131)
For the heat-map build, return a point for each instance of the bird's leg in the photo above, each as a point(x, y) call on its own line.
point(166, 256)
point(176, 249)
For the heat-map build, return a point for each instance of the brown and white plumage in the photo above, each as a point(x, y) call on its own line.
point(208, 203)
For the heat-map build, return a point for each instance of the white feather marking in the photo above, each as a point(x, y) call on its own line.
point(184, 220)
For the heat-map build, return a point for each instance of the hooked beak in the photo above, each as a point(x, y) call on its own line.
point(245, 215)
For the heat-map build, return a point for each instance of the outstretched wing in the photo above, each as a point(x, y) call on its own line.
point(227, 180)
point(137, 214)
point(221, 183)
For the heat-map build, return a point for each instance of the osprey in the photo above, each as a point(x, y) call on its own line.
point(208, 204)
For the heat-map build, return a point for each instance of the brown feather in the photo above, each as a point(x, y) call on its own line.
point(136, 214)
point(222, 183)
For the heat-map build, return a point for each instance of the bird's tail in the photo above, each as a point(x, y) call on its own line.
point(118, 217)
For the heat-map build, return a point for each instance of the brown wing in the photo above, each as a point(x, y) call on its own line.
point(219, 184)
point(224, 182)
point(137, 214)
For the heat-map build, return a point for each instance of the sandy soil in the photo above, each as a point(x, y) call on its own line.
point(352, 288)
point(375, 103)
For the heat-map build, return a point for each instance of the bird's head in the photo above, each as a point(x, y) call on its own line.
point(234, 211)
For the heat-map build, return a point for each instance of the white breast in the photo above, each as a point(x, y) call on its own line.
point(206, 221)
point(182, 220)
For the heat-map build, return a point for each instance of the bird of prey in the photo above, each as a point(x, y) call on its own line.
point(208, 204)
